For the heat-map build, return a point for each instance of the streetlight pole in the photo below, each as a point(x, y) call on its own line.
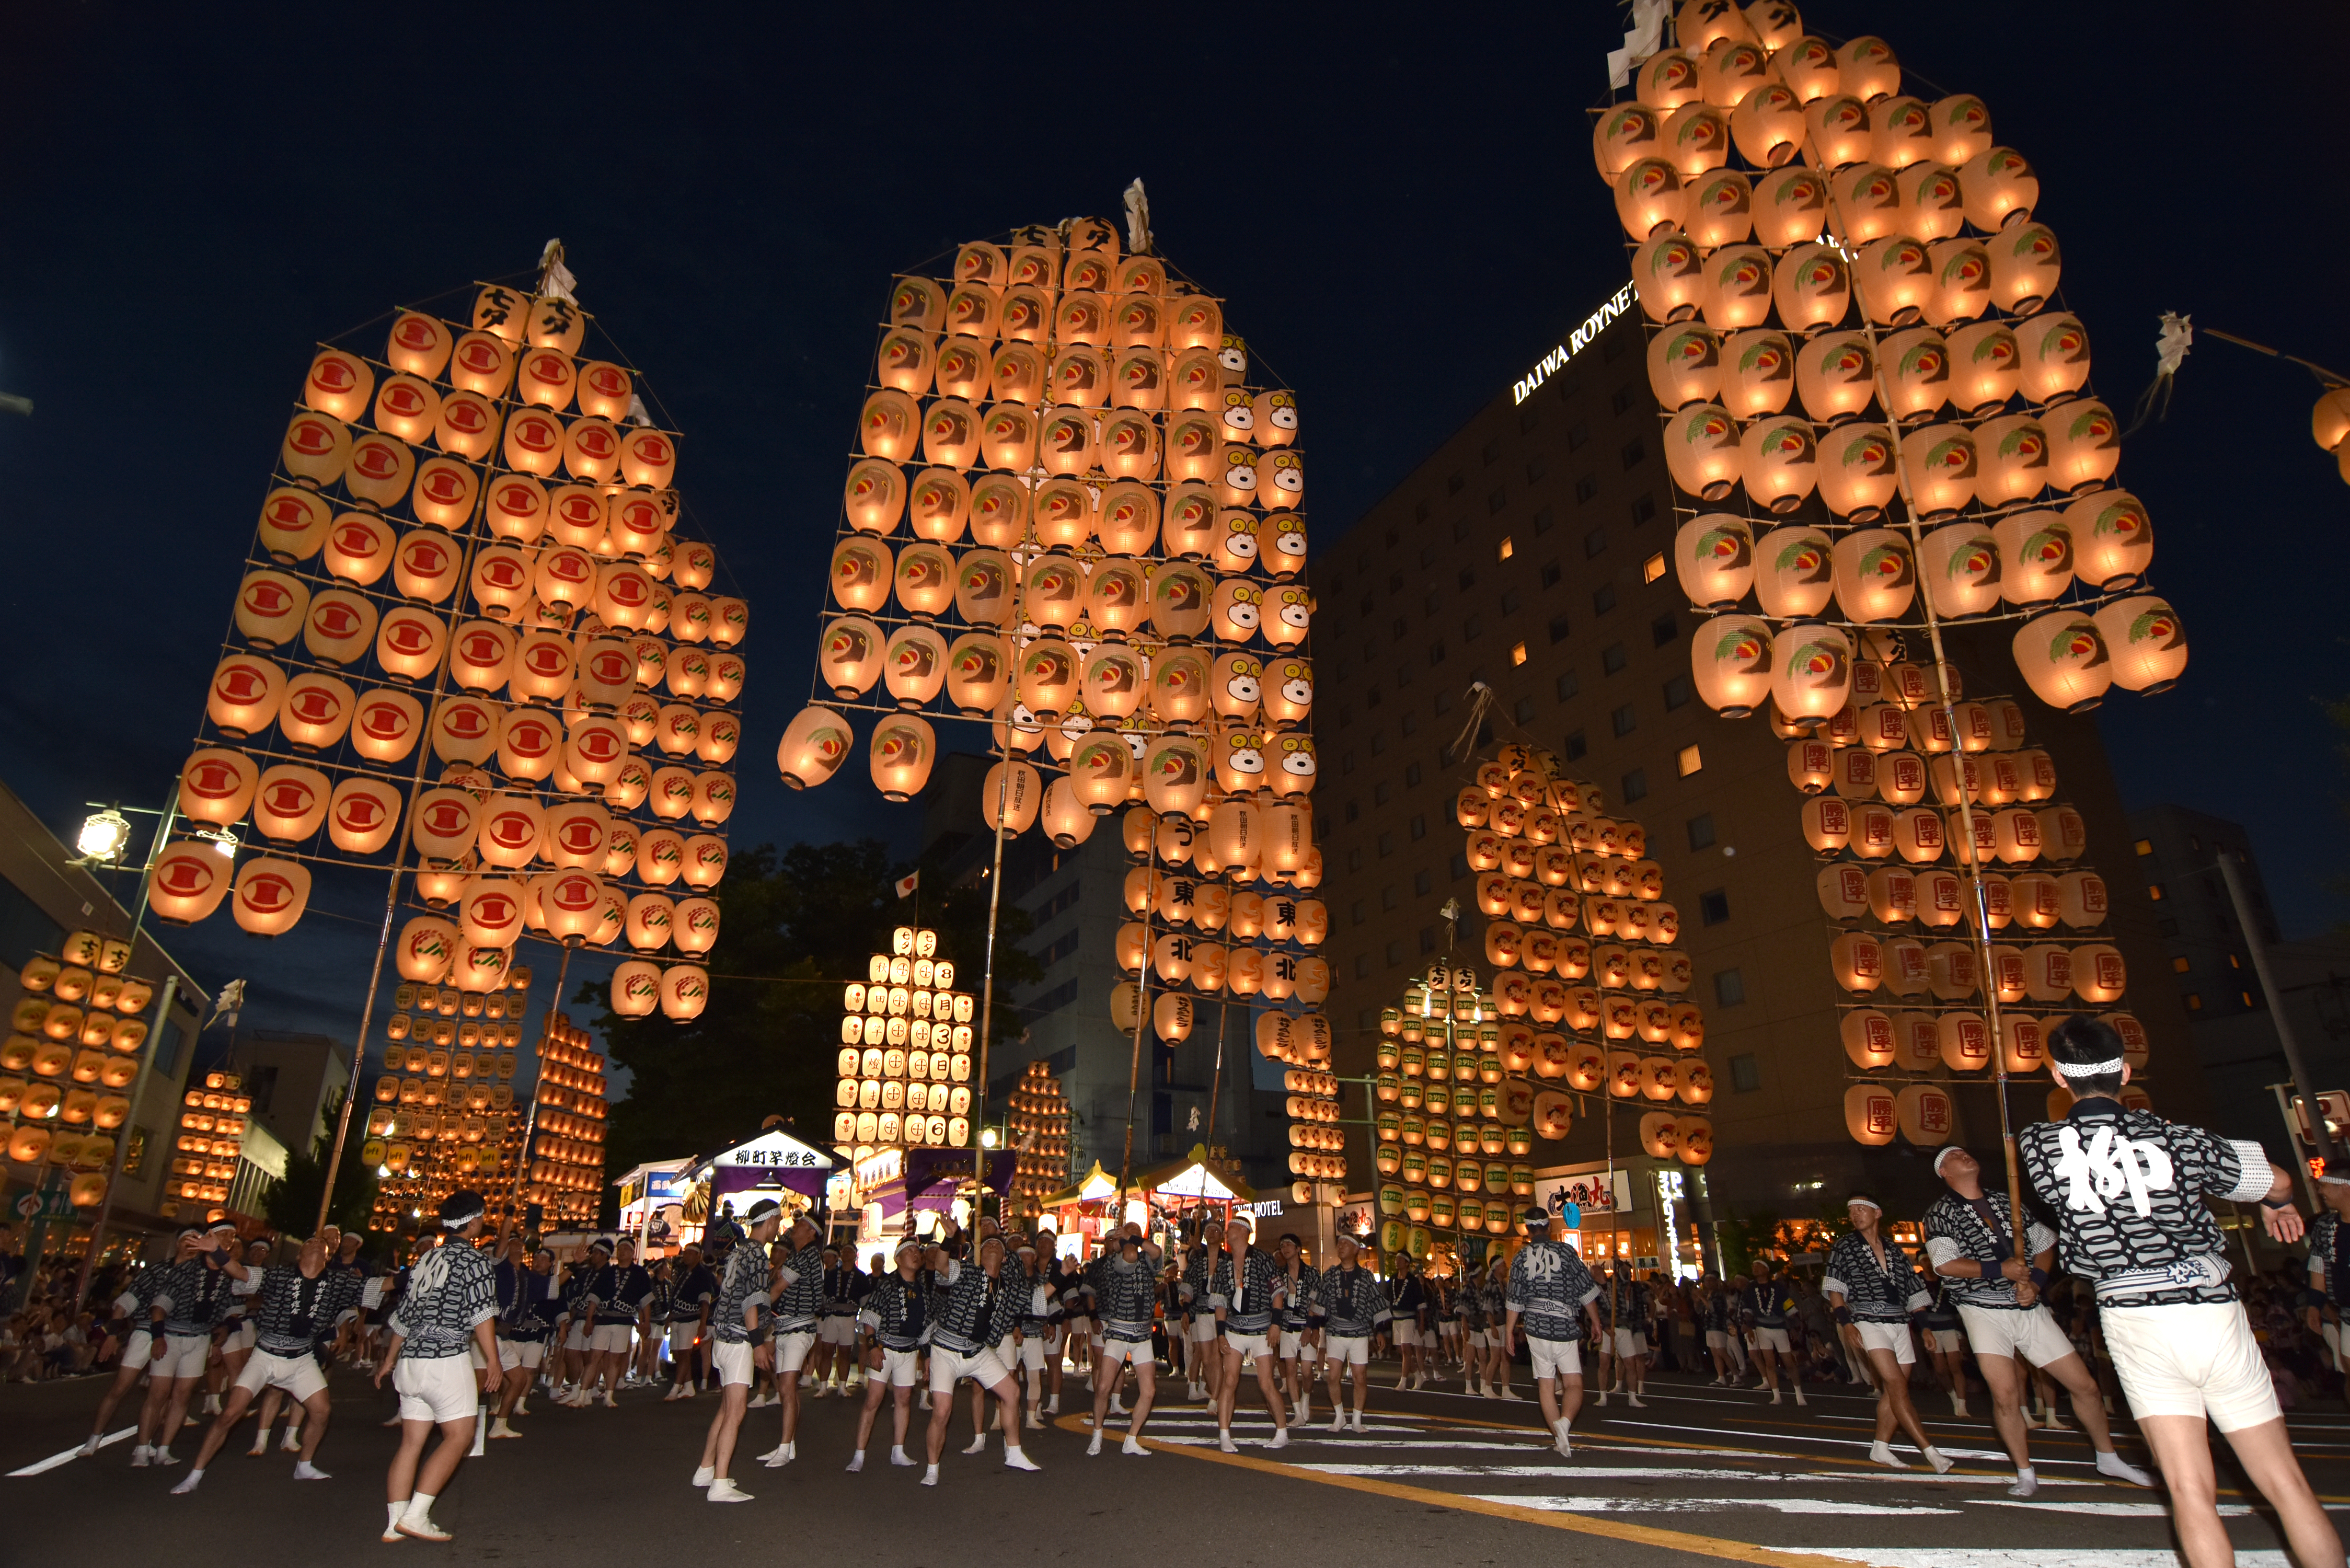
point(2256, 947)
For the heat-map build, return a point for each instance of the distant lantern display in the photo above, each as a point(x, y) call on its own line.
point(905, 1074)
point(1949, 439)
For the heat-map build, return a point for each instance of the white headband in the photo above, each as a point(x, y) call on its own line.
point(2090, 1069)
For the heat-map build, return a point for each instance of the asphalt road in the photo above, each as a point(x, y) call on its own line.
point(1703, 1475)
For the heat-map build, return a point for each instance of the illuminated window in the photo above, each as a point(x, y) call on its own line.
point(2235, 961)
point(1653, 567)
point(1689, 761)
point(2145, 846)
point(2154, 892)
point(1506, 549)
point(2181, 965)
point(1517, 653)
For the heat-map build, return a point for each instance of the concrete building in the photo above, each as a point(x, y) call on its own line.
point(1075, 900)
point(42, 896)
point(1530, 552)
point(291, 1077)
point(2207, 962)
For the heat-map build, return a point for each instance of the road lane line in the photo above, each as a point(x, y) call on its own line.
point(71, 1455)
point(1807, 1505)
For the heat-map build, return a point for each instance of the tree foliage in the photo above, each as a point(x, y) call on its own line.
point(795, 926)
point(291, 1204)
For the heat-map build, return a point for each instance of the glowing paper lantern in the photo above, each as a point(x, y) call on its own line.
point(2113, 539)
point(2064, 660)
point(189, 880)
point(900, 752)
point(1811, 675)
point(270, 896)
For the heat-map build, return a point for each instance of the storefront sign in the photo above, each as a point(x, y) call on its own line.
point(1587, 1188)
point(1599, 321)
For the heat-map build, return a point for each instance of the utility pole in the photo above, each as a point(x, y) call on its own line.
point(2257, 948)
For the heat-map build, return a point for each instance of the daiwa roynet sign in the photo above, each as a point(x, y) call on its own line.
point(1599, 321)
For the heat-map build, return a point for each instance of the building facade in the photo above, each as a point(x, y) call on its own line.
point(1532, 553)
point(44, 894)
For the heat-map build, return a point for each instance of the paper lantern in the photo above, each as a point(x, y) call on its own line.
point(270, 895)
point(1962, 281)
point(900, 752)
point(1669, 278)
point(1836, 124)
point(1648, 197)
point(1942, 461)
point(1008, 797)
point(1867, 202)
point(1790, 206)
point(1717, 204)
point(290, 802)
point(684, 991)
point(2064, 660)
point(1778, 463)
point(1737, 287)
point(2083, 445)
point(1894, 278)
point(1926, 1115)
point(1868, 1038)
point(1858, 960)
point(915, 666)
point(1809, 764)
point(1811, 674)
point(245, 693)
point(1875, 577)
point(1702, 449)
point(2000, 189)
point(1767, 126)
point(2063, 837)
point(217, 786)
point(2099, 974)
point(188, 882)
point(2113, 539)
point(1842, 889)
point(1964, 1042)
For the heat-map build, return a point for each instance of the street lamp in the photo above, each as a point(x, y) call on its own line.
point(987, 1138)
point(104, 834)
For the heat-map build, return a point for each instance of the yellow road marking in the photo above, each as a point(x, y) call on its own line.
point(1579, 1524)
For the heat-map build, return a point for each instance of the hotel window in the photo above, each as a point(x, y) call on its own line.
point(1688, 760)
point(1504, 550)
point(1518, 655)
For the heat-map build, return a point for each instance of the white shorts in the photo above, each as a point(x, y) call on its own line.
point(1117, 1352)
point(138, 1349)
point(2194, 1359)
point(1892, 1336)
point(1079, 1326)
point(1201, 1330)
point(521, 1353)
point(732, 1360)
point(948, 1367)
point(1945, 1341)
point(1032, 1351)
point(1717, 1339)
point(1556, 1358)
point(1476, 1339)
point(473, 1357)
point(835, 1330)
point(435, 1388)
point(612, 1338)
point(2030, 1335)
point(1449, 1329)
point(682, 1336)
point(1630, 1342)
point(1293, 1347)
point(247, 1336)
point(791, 1349)
point(1348, 1350)
point(899, 1368)
point(1404, 1332)
point(2333, 1333)
point(577, 1338)
point(182, 1356)
point(1247, 1345)
point(1773, 1339)
point(297, 1375)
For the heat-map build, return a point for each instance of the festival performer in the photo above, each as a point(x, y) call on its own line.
point(1493, 1306)
point(1971, 1242)
point(574, 1347)
point(1201, 1357)
point(451, 1298)
point(836, 1326)
point(295, 1304)
point(1354, 1308)
point(1943, 1332)
point(1872, 1287)
point(194, 1297)
point(1763, 1307)
point(619, 1303)
point(893, 1325)
point(2124, 1186)
point(527, 1298)
point(797, 1301)
point(1554, 1294)
point(1124, 1280)
point(690, 1293)
point(1301, 1323)
point(976, 1308)
point(1722, 1343)
point(1407, 1309)
point(1245, 1291)
point(137, 1303)
point(738, 1327)
point(1036, 1328)
point(2329, 1258)
point(1622, 1308)
point(240, 1327)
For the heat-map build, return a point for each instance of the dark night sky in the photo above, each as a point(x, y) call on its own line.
point(1401, 218)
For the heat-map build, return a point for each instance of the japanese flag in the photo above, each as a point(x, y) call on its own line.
point(908, 883)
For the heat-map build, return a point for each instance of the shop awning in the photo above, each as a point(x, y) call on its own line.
point(1098, 1186)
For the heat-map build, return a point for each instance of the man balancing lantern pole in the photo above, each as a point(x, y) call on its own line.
point(2126, 1186)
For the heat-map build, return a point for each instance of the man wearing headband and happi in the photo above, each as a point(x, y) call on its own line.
point(450, 1300)
point(1354, 1306)
point(738, 1330)
point(193, 1299)
point(798, 1300)
point(1553, 1292)
point(977, 1306)
point(143, 1340)
point(893, 1325)
point(1872, 1287)
point(2126, 1189)
point(1971, 1241)
point(1125, 1281)
point(2329, 1259)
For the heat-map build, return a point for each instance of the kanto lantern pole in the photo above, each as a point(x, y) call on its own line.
point(987, 987)
point(1216, 1078)
point(530, 1123)
point(146, 1055)
point(392, 887)
point(2256, 944)
point(1972, 851)
point(1141, 1017)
